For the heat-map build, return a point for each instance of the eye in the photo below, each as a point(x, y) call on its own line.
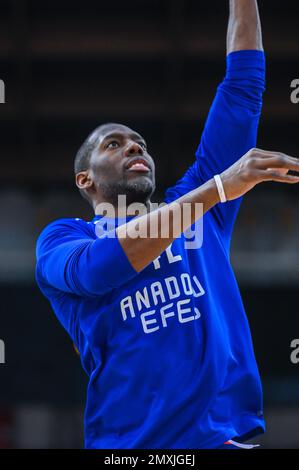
point(111, 144)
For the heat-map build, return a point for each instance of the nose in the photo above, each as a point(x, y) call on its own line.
point(133, 148)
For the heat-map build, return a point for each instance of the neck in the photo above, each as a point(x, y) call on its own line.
point(117, 210)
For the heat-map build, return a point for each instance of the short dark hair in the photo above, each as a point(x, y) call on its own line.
point(82, 158)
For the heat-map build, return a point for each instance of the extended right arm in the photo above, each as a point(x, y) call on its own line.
point(72, 259)
point(254, 167)
point(74, 262)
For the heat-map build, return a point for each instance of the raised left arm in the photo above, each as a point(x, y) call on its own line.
point(232, 124)
point(244, 26)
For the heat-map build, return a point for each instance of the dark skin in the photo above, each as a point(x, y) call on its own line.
point(111, 171)
point(108, 172)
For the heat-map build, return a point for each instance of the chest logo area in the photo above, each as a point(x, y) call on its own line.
point(163, 301)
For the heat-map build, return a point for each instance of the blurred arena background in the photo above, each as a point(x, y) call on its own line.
point(153, 65)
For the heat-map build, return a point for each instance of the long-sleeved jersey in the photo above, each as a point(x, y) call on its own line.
point(168, 350)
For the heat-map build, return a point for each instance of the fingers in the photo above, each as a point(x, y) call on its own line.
point(278, 161)
point(281, 171)
point(268, 154)
point(273, 175)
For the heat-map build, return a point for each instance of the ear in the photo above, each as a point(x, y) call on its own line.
point(84, 181)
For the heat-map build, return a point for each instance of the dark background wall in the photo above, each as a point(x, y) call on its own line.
point(153, 65)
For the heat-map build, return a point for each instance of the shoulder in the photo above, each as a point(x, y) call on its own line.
point(65, 225)
point(64, 228)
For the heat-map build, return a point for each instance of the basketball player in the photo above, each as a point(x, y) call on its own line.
point(161, 328)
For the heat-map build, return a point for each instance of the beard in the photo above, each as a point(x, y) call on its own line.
point(139, 191)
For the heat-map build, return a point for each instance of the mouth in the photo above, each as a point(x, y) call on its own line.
point(139, 165)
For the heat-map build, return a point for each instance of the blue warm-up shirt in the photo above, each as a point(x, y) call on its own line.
point(168, 351)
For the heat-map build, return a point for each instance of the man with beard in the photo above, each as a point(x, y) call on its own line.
point(161, 329)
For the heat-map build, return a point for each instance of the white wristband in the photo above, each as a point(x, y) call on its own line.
point(220, 188)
